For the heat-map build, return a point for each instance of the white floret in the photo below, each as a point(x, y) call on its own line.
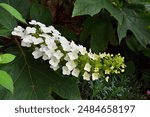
point(33, 22)
point(82, 50)
point(65, 70)
point(73, 55)
point(28, 39)
point(54, 67)
point(18, 31)
point(54, 61)
point(30, 30)
point(46, 29)
point(74, 47)
point(37, 53)
point(86, 76)
point(75, 72)
point(71, 65)
point(58, 54)
point(87, 67)
point(37, 41)
point(95, 76)
point(24, 44)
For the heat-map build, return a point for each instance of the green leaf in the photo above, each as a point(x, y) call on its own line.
point(6, 81)
point(130, 69)
point(13, 12)
point(92, 7)
point(137, 24)
point(33, 79)
point(6, 58)
point(7, 23)
point(23, 6)
point(100, 32)
point(146, 52)
point(65, 87)
point(66, 32)
point(132, 43)
point(41, 14)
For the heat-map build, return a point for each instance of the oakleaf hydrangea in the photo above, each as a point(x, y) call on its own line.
point(67, 56)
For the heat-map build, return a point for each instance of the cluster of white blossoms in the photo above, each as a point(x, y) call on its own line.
point(68, 57)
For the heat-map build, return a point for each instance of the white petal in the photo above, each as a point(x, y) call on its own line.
point(24, 44)
point(46, 37)
point(65, 70)
point(45, 57)
point(67, 58)
point(95, 76)
point(87, 67)
point(107, 71)
point(86, 76)
point(40, 24)
point(65, 43)
point(45, 29)
point(28, 39)
point(37, 41)
point(82, 50)
point(33, 22)
point(54, 62)
point(30, 30)
point(43, 48)
point(73, 55)
point(49, 53)
point(58, 54)
point(55, 33)
point(107, 78)
point(54, 68)
point(37, 53)
point(74, 47)
point(76, 72)
point(18, 31)
point(71, 65)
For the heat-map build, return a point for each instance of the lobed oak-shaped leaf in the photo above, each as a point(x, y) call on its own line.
point(92, 7)
point(33, 79)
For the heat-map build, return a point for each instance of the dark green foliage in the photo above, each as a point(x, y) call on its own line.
point(41, 14)
point(31, 81)
point(7, 23)
point(126, 22)
point(115, 26)
point(122, 88)
point(23, 6)
point(100, 32)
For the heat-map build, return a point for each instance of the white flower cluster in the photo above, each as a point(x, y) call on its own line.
point(62, 54)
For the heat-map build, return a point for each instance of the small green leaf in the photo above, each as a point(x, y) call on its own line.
point(6, 81)
point(13, 12)
point(6, 58)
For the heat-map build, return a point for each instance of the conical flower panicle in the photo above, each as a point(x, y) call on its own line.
point(62, 54)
